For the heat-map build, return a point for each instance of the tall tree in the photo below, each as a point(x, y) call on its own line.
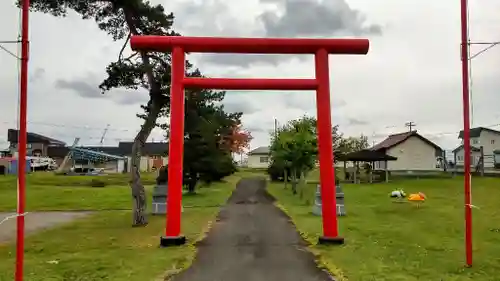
point(239, 139)
point(352, 144)
point(207, 139)
point(146, 70)
point(207, 154)
point(294, 147)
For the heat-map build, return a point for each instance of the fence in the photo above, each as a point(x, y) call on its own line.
point(481, 163)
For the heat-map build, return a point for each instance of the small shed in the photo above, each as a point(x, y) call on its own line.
point(367, 156)
point(414, 152)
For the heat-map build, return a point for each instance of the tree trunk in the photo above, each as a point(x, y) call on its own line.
point(285, 178)
point(138, 191)
point(154, 109)
point(301, 184)
point(294, 181)
point(138, 198)
point(192, 184)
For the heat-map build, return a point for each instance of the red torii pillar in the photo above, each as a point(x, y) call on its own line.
point(321, 48)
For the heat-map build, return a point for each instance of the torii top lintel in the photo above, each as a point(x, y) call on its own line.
point(249, 45)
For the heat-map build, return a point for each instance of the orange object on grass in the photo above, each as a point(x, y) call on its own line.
point(417, 197)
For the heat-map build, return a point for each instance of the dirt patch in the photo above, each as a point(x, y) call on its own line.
point(252, 240)
point(35, 221)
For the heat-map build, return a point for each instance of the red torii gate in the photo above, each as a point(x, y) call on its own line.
point(321, 48)
point(152, 43)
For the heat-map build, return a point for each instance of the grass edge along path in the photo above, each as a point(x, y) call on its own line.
point(400, 242)
point(188, 260)
point(320, 260)
point(103, 246)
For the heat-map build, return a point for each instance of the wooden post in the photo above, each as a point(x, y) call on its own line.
point(386, 171)
point(445, 162)
point(358, 171)
point(345, 170)
point(301, 185)
point(481, 159)
point(455, 161)
point(355, 174)
point(286, 176)
point(371, 172)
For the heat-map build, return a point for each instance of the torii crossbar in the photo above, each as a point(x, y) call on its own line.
point(321, 48)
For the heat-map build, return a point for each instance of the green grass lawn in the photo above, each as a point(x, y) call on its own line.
point(397, 241)
point(104, 246)
point(46, 191)
point(49, 178)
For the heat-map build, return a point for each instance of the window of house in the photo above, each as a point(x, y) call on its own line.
point(460, 158)
point(264, 159)
point(492, 142)
point(475, 141)
point(28, 145)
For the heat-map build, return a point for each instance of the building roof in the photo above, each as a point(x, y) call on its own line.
point(366, 155)
point(476, 132)
point(62, 151)
point(472, 148)
point(150, 148)
point(87, 154)
point(123, 149)
point(12, 135)
point(261, 150)
point(395, 139)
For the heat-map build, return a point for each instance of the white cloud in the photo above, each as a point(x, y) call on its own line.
point(412, 72)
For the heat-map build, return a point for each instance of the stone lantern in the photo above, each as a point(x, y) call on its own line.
point(340, 208)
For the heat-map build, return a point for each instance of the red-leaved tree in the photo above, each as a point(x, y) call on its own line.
point(239, 139)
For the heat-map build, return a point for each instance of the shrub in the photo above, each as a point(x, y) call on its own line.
point(276, 172)
point(97, 183)
point(162, 177)
point(225, 166)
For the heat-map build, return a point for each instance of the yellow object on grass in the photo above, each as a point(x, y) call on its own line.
point(417, 197)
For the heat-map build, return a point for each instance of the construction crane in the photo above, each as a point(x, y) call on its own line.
point(104, 134)
point(61, 167)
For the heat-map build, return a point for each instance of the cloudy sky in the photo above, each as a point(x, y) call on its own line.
point(412, 72)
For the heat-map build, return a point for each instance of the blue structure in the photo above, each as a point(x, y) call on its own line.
point(12, 168)
point(92, 155)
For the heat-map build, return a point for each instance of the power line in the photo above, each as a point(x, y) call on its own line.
point(71, 126)
point(98, 136)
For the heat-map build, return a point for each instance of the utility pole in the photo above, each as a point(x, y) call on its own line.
point(486, 46)
point(410, 125)
point(22, 135)
point(275, 128)
point(104, 134)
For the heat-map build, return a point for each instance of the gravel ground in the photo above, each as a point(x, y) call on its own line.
point(252, 240)
point(35, 221)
